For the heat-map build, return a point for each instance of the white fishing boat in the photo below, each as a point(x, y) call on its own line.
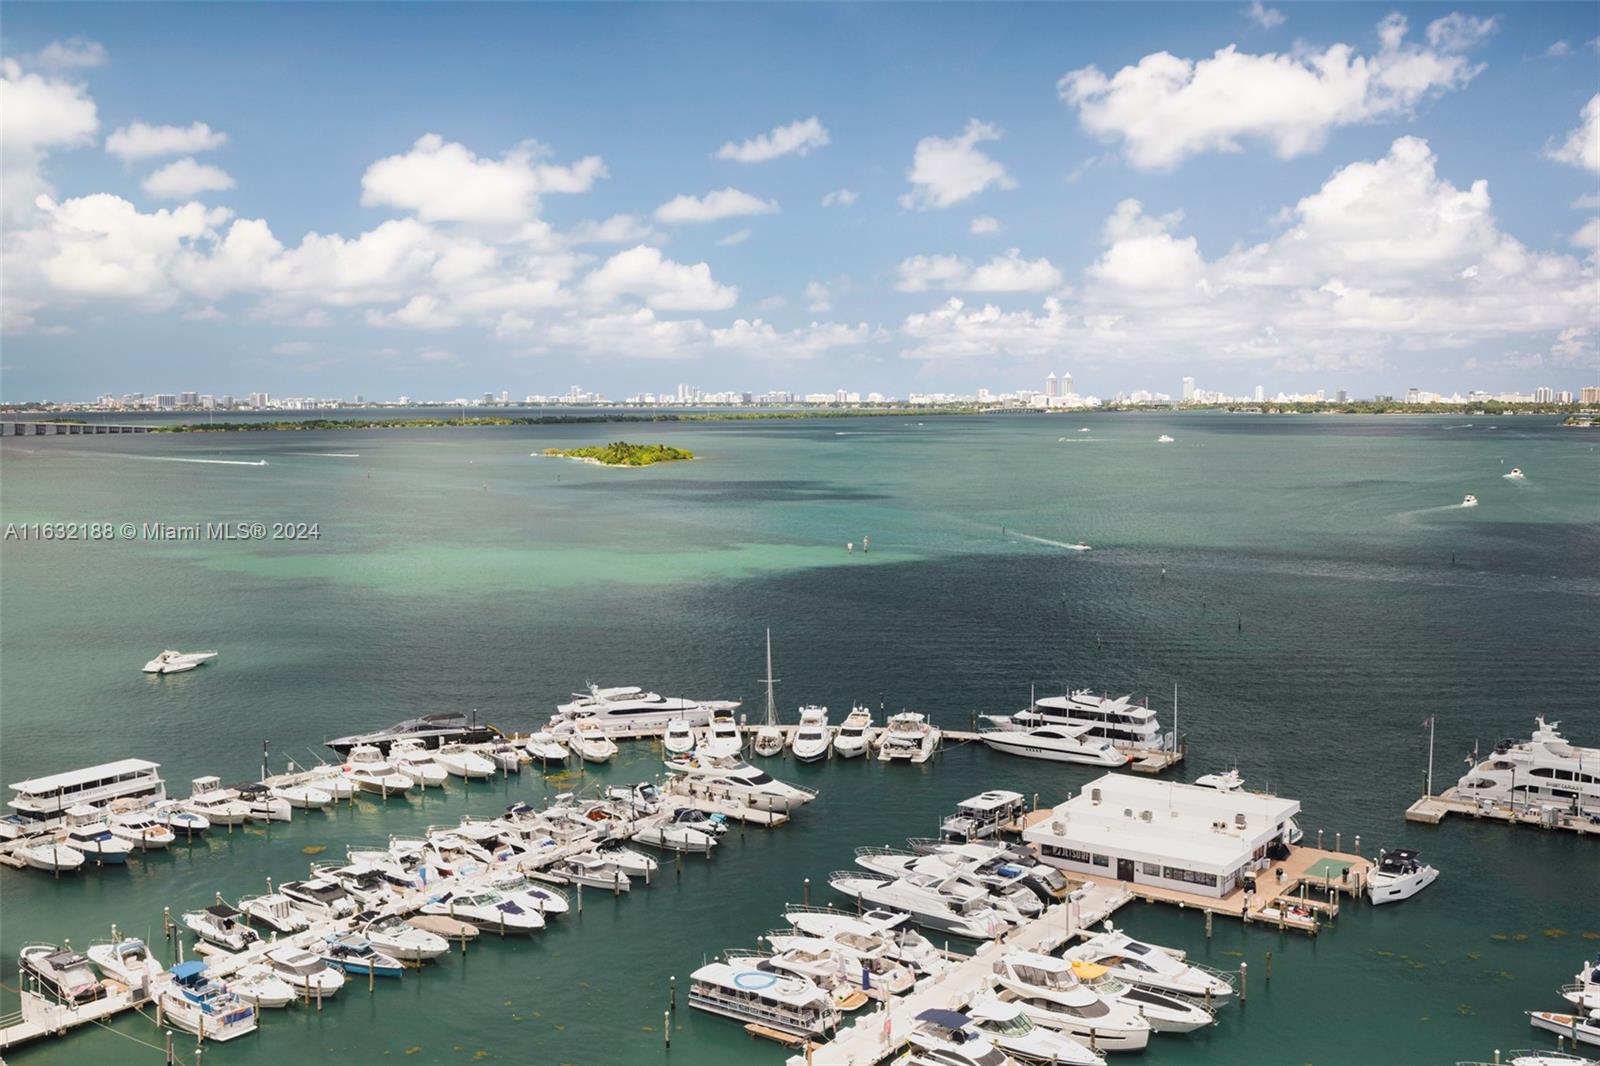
point(261, 985)
point(194, 1003)
point(1045, 988)
point(301, 795)
point(142, 829)
point(264, 806)
point(1578, 1028)
point(50, 856)
point(769, 738)
point(413, 758)
point(462, 761)
point(178, 662)
point(275, 911)
point(127, 960)
point(679, 736)
point(589, 742)
point(221, 925)
point(944, 905)
point(948, 1038)
point(747, 994)
point(1398, 876)
point(332, 780)
point(1149, 965)
point(88, 831)
point(1469, 500)
point(908, 736)
point(401, 939)
point(61, 972)
point(176, 817)
point(545, 747)
point(1163, 439)
point(1515, 475)
point(1055, 743)
point(1584, 991)
point(720, 768)
point(218, 805)
point(306, 972)
point(1008, 1027)
point(320, 897)
point(369, 770)
point(850, 740)
point(353, 953)
point(485, 909)
point(507, 758)
point(1166, 1013)
point(811, 742)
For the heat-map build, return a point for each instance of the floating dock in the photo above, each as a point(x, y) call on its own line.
point(40, 1016)
point(1431, 810)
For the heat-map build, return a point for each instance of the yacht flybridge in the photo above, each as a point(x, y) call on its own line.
point(1121, 721)
point(908, 736)
point(811, 741)
point(633, 706)
point(1052, 996)
point(943, 904)
point(851, 739)
point(431, 729)
point(1543, 771)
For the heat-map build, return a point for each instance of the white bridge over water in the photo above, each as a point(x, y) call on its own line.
point(65, 429)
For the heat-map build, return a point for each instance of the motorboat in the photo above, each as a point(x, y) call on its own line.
point(723, 731)
point(1002, 880)
point(1469, 500)
point(1045, 988)
point(869, 930)
point(41, 803)
point(178, 662)
point(191, 1001)
point(307, 972)
point(431, 729)
point(1118, 719)
point(753, 994)
point(369, 770)
point(485, 909)
point(817, 961)
point(1578, 1028)
point(51, 856)
point(639, 799)
point(332, 780)
point(544, 746)
point(1149, 965)
point(178, 818)
point(127, 960)
point(720, 768)
point(274, 910)
point(850, 740)
point(941, 904)
point(141, 828)
point(1226, 781)
point(395, 936)
point(410, 756)
point(1398, 876)
point(1536, 1058)
point(507, 758)
point(1056, 743)
point(1515, 475)
point(1165, 1012)
point(629, 861)
point(1046, 882)
point(1008, 1027)
point(461, 761)
point(594, 871)
point(546, 899)
point(260, 985)
point(949, 1038)
point(908, 736)
point(302, 795)
point(62, 973)
point(320, 897)
point(220, 924)
point(633, 706)
point(769, 738)
point(264, 806)
point(983, 816)
point(218, 805)
point(353, 953)
point(1163, 439)
point(677, 836)
point(811, 742)
point(88, 832)
point(589, 742)
point(1543, 773)
point(866, 962)
point(1584, 991)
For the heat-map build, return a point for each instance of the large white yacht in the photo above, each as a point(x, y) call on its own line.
point(908, 736)
point(942, 904)
point(631, 705)
point(1166, 1013)
point(1149, 965)
point(41, 803)
point(431, 729)
point(1055, 743)
point(751, 994)
point(1542, 771)
point(811, 741)
point(1121, 721)
point(1008, 1027)
point(851, 739)
point(1045, 988)
point(721, 768)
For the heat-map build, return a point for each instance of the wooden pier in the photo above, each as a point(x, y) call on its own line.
point(40, 1016)
point(1431, 810)
point(65, 429)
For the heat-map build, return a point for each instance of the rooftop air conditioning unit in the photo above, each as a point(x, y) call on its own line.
point(1127, 812)
point(1094, 796)
point(1239, 820)
point(1146, 815)
point(1058, 827)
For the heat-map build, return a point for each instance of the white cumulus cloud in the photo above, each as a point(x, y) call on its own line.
point(1003, 273)
point(713, 207)
point(70, 54)
point(141, 140)
point(983, 224)
point(797, 138)
point(442, 181)
point(1582, 146)
point(1268, 18)
point(839, 198)
point(184, 178)
point(663, 284)
point(948, 170)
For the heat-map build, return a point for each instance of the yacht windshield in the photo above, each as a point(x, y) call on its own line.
point(1018, 1026)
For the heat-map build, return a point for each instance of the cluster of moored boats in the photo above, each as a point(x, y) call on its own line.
point(1580, 1023)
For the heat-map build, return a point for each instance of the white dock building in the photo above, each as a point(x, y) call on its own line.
point(1164, 834)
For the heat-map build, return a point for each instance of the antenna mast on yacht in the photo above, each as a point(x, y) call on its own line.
point(772, 703)
point(1174, 716)
point(1433, 720)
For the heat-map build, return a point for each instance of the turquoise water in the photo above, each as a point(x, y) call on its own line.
point(1309, 609)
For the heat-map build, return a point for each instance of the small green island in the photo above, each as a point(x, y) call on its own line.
point(621, 453)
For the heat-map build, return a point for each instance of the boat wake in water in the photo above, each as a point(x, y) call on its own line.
point(1046, 541)
point(335, 455)
point(215, 462)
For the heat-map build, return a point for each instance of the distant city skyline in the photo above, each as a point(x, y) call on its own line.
point(1035, 187)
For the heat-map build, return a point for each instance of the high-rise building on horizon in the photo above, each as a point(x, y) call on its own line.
point(1261, 393)
point(1188, 390)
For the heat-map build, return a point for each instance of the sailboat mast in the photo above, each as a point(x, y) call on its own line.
point(772, 703)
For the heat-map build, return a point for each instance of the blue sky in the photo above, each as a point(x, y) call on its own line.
point(526, 197)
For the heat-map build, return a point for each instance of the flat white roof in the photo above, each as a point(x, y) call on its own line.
point(992, 800)
point(45, 785)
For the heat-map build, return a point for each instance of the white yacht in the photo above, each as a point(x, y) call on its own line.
point(873, 930)
point(1045, 988)
point(1005, 882)
point(485, 909)
point(1584, 991)
point(982, 816)
point(308, 973)
point(1008, 1027)
point(594, 871)
point(720, 768)
point(218, 805)
point(275, 911)
point(679, 737)
point(589, 742)
point(62, 972)
point(89, 832)
point(41, 803)
point(1166, 1013)
point(178, 662)
point(536, 895)
point(633, 706)
point(220, 924)
point(352, 953)
point(749, 994)
point(191, 1001)
point(811, 741)
point(1578, 1028)
point(691, 838)
point(1515, 475)
point(51, 856)
point(301, 794)
point(724, 730)
point(949, 1038)
point(817, 961)
point(851, 739)
point(1398, 876)
point(369, 770)
point(1149, 965)
point(868, 961)
point(1121, 721)
point(178, 818)
point(320, 897)
point(264, 806)
point(461, 761)
point(1469, 500)
point(142, 829)
point(544, 746)
point(908, 736)
point(1226, 781)
point(1545, 771)
point(399, 938)
point(1163, 439)
point(942, 904)
point(1056, 743)
point(259, 985)
point(128, 960)
point(431, 729)
point(411, 757)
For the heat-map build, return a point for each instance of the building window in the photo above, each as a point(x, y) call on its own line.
point(1193, 877)
point(1152, 869)
point(1069, 854)
point(1101, 860)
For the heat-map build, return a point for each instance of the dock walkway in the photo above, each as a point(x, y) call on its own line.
point(1431, 810)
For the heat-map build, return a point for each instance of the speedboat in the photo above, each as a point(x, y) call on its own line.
point(1008, 1027)
point(306, 972)
point(866, 962)
point(61, 972)
point(352, 953)
point(753, 994)
point(220, 924)
point(589, 742)
point(320, 897)
point(196, 1004)
point(544, 746)
point(1398, 876)
point(260, 985)
point(679, 736)
point(1515, 475)
point(949, 1038)
point(851, 739)
point(1584, 991)
point(369, 770)
point(1578, 1028)
point(127, 960)
point(1226, 781)
point(506, 758)
point(719, 768)
point(90, 833)
point(908, 736)
point(629, 861)
point(178, 662)
point(141, 829)
point(462, 761)
point(869, 930)
point(686, 837)
point(639, 799)
point(1163, 439)
point(485, 909)
point(431, 729)
point(1046, 990)
point(1149, 965)
point(412, 757)
point(1056, 743)
point(178, 818)
point(593, 871)
point(275, 911)
point(395, 936)
point(218, 805)
point(811, 742)
point(546, 899)
point(1165, 1012)
point(51, 856)
point(302, 794)
point(1469, 500)
point(264, 806)
point(944, 904)
point(634, 706)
